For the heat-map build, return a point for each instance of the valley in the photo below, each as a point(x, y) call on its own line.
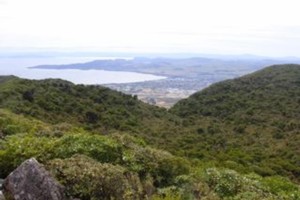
point(184, 76)
point(149, 100)
point(235, 139)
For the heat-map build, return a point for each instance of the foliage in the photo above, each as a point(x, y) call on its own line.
point(253, 121)
point(94, 107)
point(98, 147)
point(87, 179)
point(216, 183)
point(162, 166)
point(17, 148)
point(237, 139)
point(11, 124)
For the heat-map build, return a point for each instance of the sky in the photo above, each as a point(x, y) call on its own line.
point(260, 27)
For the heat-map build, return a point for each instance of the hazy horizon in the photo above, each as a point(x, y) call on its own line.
point(263, 28)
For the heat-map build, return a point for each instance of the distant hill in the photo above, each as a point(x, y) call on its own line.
point(184, 76)
point(255, 120)
point(179, 67)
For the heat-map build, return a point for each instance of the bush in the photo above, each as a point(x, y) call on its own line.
point(280, 185)
point(161, 165)
point(11, 129)
point(97, 147)
point(225, 183)
point(17, 148)
point(168, 194)
point(86, 179)
point(11, 124)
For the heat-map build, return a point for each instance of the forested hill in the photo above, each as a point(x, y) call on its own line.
point(255, 121)
point(266, 95)
point(93, 107)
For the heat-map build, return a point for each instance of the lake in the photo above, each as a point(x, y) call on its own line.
point(19, 67)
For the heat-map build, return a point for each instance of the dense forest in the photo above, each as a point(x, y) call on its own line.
point(237, 139)
point(254, 121)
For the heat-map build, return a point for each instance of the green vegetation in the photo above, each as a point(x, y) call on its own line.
point(87, 179)
point(120, 166)
point(267, 95)
point(93, 107)
point(237, 139)
point(250, 123)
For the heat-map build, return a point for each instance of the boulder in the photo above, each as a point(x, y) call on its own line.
point(31, 181)
point(1, 196)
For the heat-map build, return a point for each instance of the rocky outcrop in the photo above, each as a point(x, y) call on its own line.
point(31, 181)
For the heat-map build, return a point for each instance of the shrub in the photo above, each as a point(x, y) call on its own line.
point(225, 183)
point(280, 185)
point(161, 165)
point(86, 179)
point(11, 129)
point(168, 194)
point(97, 147)
point(17, 148)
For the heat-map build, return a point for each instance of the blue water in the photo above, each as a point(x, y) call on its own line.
point(19, 67)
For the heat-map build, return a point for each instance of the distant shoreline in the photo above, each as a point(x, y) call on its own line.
point(22, 67)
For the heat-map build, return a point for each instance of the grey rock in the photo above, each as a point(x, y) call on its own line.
point(2, 196)
point(31, 181)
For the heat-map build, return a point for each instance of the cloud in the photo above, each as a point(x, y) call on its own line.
point(169, 25)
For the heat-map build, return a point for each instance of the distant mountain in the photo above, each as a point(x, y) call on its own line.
point(180, 67)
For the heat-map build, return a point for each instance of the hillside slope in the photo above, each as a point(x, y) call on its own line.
point(119, 166)
point(84, 134)
point(255, 121)
point(95, 108)
point(272, 91)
